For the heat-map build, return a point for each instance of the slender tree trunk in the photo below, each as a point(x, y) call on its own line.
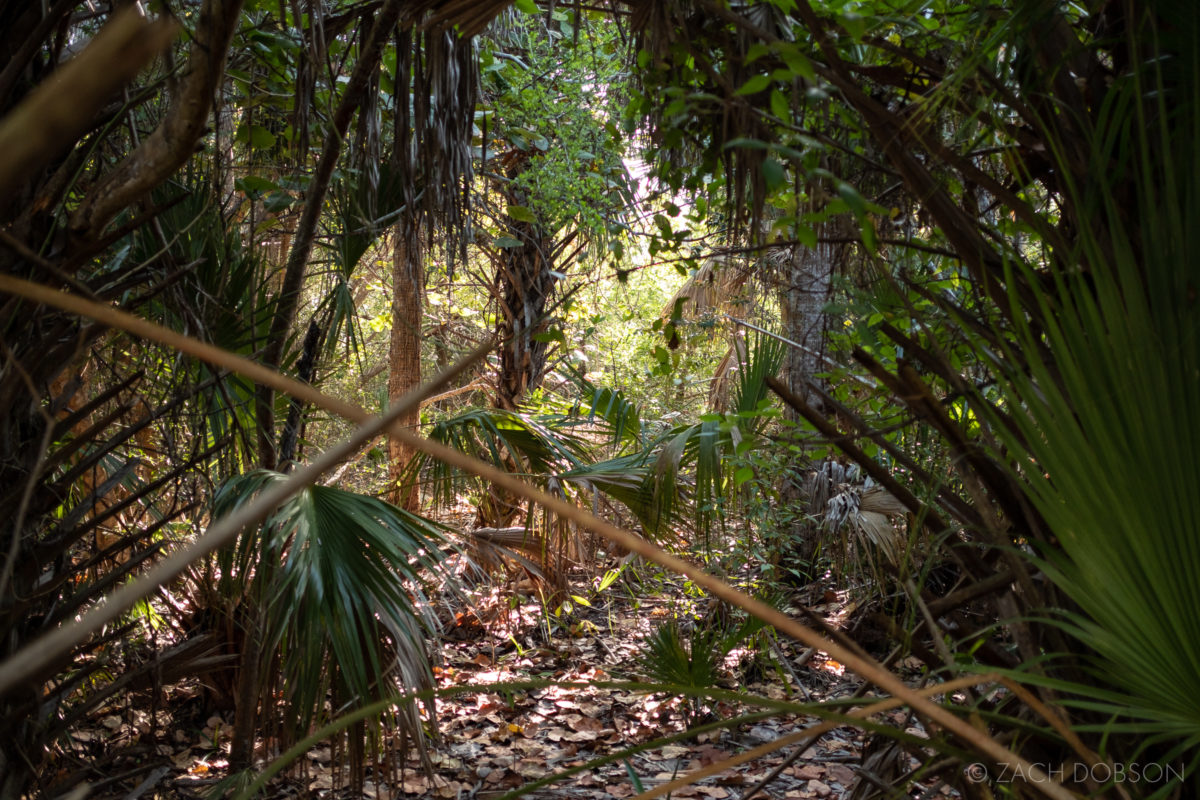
point(288, 299)
point(807, 277)
point(408, 286)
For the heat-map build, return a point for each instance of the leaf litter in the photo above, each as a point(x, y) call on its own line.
point(493, 742)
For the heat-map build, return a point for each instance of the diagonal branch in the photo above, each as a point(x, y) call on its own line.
point(64, 106)
point(174, 141)
point(26, 662)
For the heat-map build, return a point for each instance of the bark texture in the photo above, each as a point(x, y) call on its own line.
point(526, 279)
point(807, 277)
point(408, 286)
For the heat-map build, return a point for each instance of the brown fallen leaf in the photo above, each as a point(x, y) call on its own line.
point(840, 773)
point(821, 789)
point(809, 772)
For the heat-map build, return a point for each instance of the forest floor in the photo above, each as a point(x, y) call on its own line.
point(494, 742)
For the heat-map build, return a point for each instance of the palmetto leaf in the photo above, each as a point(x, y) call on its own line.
point(1108, 424)
point(671, 659)
point(867, 512)
point(506, 439)
point(762, 360)
point(339, 576)
point(630, 480)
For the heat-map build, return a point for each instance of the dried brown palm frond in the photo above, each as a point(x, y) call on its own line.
point(865, 509)
point(711, 289)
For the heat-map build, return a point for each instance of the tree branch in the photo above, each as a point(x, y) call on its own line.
point(171, 144)
point(64, 106)
point(306, 228)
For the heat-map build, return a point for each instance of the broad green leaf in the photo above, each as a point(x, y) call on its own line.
point(779, 105)
point(774, 174)
point(521, 214)
point(742, 475)
point(754, 85)
point(251, 184)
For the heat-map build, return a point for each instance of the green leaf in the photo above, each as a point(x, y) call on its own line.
point(779, 105)
point(773, 174)
point(755, 85)
point(506, 241)
point(254, 184)
point(521, 214)
point(746, 143)
point(526, 6)
point(278, 201)
point(742, 475)
point(610, 578)
point(797, 62)
point(256, 136)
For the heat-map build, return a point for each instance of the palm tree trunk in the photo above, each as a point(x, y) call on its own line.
point(408, 284)
point(526, 279)
point(807, 277)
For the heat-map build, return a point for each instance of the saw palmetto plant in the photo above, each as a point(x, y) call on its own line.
point(329, 598)
point(1105, 430)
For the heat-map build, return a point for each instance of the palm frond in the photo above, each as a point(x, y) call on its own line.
point(1108, 423)
point(506, 439)
point(630, 480)
point(699, 446)
point(710, 289)
point(339, 576)
point(623, 416)
point(690, 662)
point(762, 359)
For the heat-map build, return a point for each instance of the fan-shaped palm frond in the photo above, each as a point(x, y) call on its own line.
point(362, 213)
point(507, 439)
point(691, 662)
point(700, 446)
point(1108, 428)
point(599, 409)
point(630, 480)
point(762, 359)
point(867, 512)
point(332, 587)
point(621, 415)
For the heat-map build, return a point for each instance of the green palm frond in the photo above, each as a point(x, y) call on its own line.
point(508, 440)
point(622, 417)
point(1109, 425)
point(630, 480)
point(362, 213)
point(601, 408)
point(339, 577)
point(699, 447)
point(763, 358)
point(692, 662)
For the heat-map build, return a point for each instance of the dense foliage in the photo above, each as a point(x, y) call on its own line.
point(895, 296)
